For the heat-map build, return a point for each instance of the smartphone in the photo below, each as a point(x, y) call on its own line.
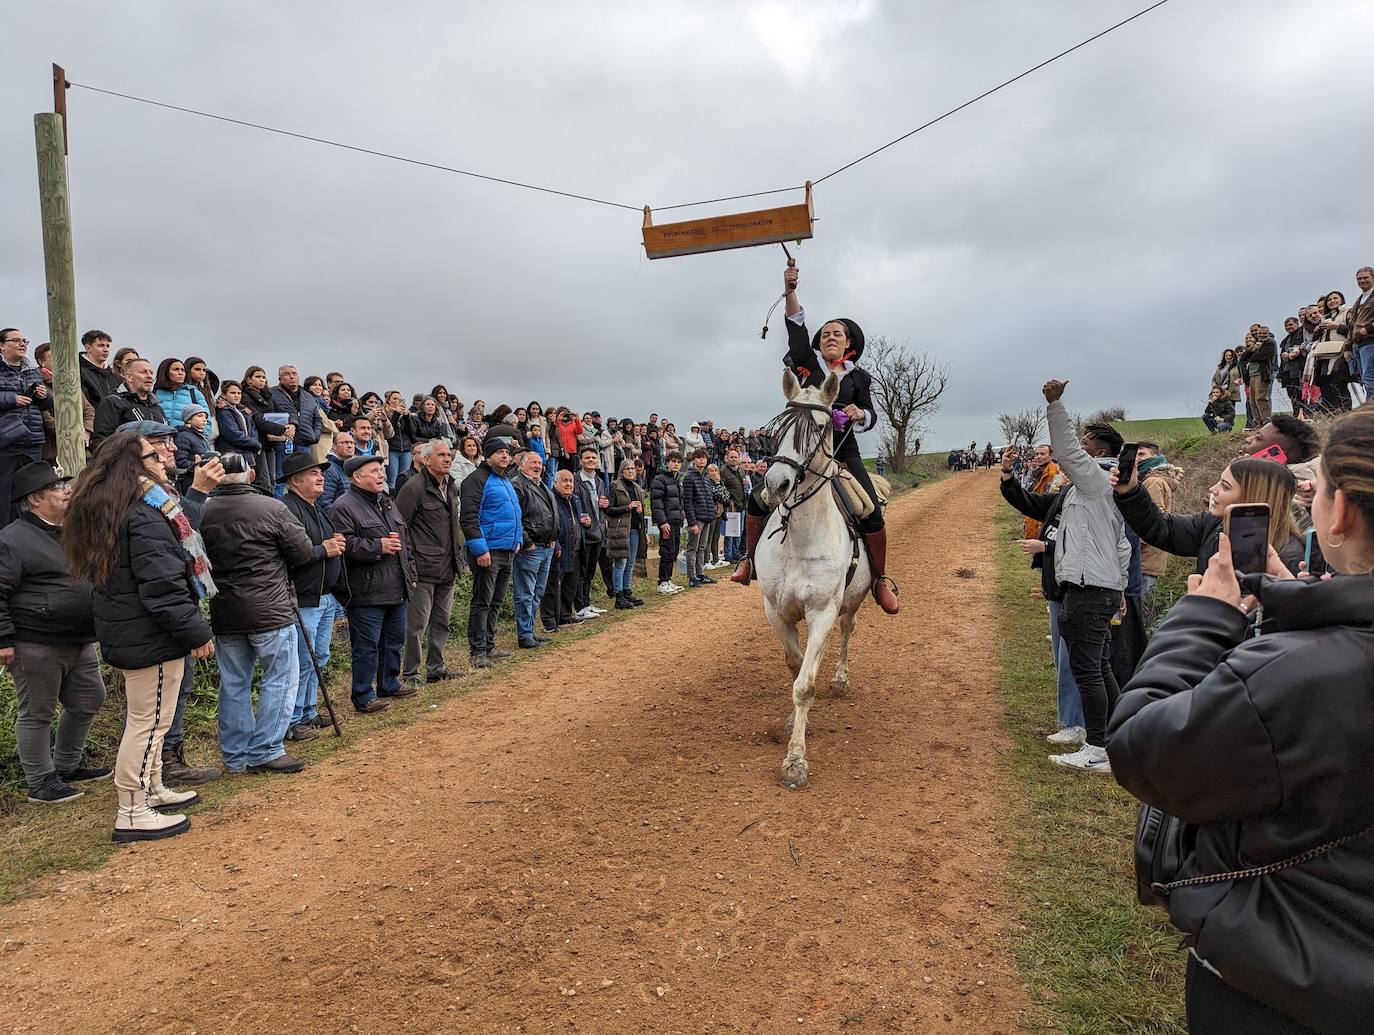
point(1125, 463)
point(1313, 561)
point(1247, 526)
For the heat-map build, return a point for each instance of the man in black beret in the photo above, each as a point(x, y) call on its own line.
point(47, 639)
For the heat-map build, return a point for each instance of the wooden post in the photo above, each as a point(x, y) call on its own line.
point(59, 100)
point(57, 262)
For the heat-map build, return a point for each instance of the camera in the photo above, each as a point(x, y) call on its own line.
point(233, 463)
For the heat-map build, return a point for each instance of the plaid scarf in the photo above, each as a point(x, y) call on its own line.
point(197, 563)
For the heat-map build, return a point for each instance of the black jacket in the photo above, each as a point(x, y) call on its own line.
point(149, 613)
point(537, 516)
point(97, 382)
point(303, 410)
point(321, 574)
point(120, 408)
point(621, 518)
point(375, 579)
point(1268, 744)
point(734, 485)
point(422, 430)
point(39, 603)
point(697, 502)
point(1187, 534)
point(1290, 370)
point(431, 513)
point(665, 498)
point(856, 387)
point(569, 531)
point(253, 541)
point(260, 403)
point(1045, 508)
point(588, 501)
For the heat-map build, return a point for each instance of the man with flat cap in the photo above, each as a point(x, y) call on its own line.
point(319, 584)
point(381, 577)
point(47, 640)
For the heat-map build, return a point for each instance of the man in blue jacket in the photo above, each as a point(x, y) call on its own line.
point(489, 512)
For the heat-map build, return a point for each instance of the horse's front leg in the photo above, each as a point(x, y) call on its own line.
point(794, 767)
point(840, 684)
point(786, 633)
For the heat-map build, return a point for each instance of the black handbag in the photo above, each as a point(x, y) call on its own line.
point(1163, 842)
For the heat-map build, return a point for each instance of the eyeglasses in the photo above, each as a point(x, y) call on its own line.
point(16, 341)
point(148, 456)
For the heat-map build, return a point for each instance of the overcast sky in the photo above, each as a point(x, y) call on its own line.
point(1116, 219)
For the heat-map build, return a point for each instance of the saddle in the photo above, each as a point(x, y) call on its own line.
point(854, 500)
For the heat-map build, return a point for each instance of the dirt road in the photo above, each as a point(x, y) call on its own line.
point(598, 843)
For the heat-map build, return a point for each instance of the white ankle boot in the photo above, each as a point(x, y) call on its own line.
point(135, 821)
point(161, 797)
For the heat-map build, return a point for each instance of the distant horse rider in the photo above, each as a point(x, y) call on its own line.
point(836, 348)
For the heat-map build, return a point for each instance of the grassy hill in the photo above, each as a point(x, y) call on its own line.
point(1172, 428)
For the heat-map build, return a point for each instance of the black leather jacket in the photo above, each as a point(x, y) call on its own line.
point(253, 542)
point(1268, 744)
point(375, 579)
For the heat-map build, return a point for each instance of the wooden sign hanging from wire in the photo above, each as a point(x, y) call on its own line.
point(718, 233)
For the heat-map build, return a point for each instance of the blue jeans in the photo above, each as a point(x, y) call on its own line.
point(529, 576)
point(1365, 357)
point(376, 637)
point(319, 623)
point(396, 465)
point(623, 568)
point(245, 739)
point(1070, 701)
point(734, 548)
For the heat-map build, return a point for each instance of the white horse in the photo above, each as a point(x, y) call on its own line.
point(803, 562)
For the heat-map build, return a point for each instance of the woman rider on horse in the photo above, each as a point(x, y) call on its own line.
point(836, 348)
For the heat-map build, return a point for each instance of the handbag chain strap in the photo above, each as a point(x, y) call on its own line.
point(1262, 871)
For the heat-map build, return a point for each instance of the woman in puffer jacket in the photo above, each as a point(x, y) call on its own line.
point(126, 534)
point(174, 394)
point(1267, 745)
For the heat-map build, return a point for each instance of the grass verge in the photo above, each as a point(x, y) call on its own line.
point(1093, 959)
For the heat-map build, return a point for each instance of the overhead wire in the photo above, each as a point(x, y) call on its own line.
point(603, 201)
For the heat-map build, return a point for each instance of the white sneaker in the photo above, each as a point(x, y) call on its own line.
point(666, 588)
point(673, 587)
point(1068, 735)
point(588, 613)
point(1087, 759)
point(596, 611)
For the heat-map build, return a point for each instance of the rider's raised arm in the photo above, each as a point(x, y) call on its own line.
point(801, 357)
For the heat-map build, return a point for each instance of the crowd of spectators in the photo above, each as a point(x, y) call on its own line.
point(1246, 710)
point(1324, 363)
point(235, 522)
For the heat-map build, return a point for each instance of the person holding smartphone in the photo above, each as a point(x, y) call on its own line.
point(1265, 746)
point(1196, 535)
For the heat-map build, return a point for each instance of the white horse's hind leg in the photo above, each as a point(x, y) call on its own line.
point(840, 683)
point(794, 768)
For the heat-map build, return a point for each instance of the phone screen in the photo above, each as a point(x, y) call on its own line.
point(1313, 561)
point(1125, 463)
point(1247, 526)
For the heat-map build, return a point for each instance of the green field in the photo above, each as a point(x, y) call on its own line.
point(1171, 428)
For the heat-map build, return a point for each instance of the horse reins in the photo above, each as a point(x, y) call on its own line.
point(792, 421)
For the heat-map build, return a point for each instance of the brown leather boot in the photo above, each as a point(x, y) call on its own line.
point(753, 532)
point(884, 589)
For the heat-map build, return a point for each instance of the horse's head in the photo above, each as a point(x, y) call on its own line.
point(803, 432)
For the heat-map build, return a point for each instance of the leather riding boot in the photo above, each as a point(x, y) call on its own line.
point(753, 532)
point(884, 589)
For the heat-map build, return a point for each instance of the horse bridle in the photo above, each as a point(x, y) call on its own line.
point(791, 421)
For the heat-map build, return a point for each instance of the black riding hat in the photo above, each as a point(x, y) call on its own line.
point(856, 337)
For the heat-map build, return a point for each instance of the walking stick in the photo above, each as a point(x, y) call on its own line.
point(319, 672)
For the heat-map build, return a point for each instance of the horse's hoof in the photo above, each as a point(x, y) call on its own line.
point(840, 689)
point(795, 773)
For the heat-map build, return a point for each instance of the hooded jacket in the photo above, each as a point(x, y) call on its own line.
point(97, 382)
point(1091, 549)
point(1267, 743)
point(490, 512)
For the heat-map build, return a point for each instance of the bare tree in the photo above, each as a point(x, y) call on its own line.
point(906, 390)
point(1022, 427)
